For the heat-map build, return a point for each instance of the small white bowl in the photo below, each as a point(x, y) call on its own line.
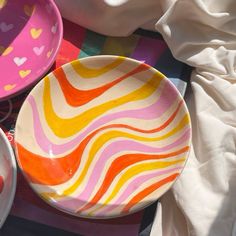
point(8, 171)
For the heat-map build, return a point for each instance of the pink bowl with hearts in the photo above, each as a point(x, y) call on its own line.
point(30, 36)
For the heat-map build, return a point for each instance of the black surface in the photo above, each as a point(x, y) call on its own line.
point(147, 220)
point(148, 33)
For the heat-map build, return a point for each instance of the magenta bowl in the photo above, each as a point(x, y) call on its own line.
point(30, 36)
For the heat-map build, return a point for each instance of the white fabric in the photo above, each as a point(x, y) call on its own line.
point(205, 37)
point(111, 17)
point(201, 33)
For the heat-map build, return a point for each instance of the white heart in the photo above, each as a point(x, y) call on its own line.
point(5, 27)
point(20, 61)
point(54, 29)
point(38, 50)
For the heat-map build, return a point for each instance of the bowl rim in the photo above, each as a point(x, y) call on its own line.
point(66, 65)
point(35, 80)
point(14, 177)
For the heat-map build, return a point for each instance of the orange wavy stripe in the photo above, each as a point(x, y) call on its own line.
point(38, 168)
point(48, 171)
point(76, 97)
point(120, 164)
point(141, 195)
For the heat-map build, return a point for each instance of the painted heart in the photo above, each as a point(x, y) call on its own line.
point(9, 87)
point(24, 73)
point(5, 51)
point(20, 61)
point(49, 53)
point(2, 3)
point(35, 33)
point(54, 28)
point(38, 50)
point(29, 10)
point(6, 27)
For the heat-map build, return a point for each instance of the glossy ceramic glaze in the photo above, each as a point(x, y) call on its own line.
point(103, 136)
point(30, 36)
point(8, 173)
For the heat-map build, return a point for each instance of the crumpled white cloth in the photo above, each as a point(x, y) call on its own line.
point(112, 17)
point(201, 33)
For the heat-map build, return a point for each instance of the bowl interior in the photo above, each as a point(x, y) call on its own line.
point(8, 172)
point(102, 136)
point(30, 35)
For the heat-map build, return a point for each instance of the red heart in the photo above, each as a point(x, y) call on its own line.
point(1, 183)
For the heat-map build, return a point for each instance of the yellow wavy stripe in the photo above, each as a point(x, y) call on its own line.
point(87, 72)
point(101, 140)
point(64, 128)
point(134, 171)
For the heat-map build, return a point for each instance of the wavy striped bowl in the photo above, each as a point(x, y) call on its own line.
point(103, 136)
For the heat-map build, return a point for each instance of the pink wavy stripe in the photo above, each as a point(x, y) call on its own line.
point(114, 148)
point(129, 189)
point(75, 202)
point(151, 112)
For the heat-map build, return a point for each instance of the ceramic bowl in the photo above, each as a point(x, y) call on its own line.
point(8, 173)
point(103, 136)
point(30, 36)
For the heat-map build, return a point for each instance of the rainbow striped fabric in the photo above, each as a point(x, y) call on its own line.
point(78, 43)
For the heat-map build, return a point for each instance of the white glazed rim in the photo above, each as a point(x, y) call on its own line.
point(14, 178)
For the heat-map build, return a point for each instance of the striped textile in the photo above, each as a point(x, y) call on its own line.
point(79, 43)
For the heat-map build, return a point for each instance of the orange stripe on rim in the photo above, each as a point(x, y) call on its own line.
point(48, 171)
